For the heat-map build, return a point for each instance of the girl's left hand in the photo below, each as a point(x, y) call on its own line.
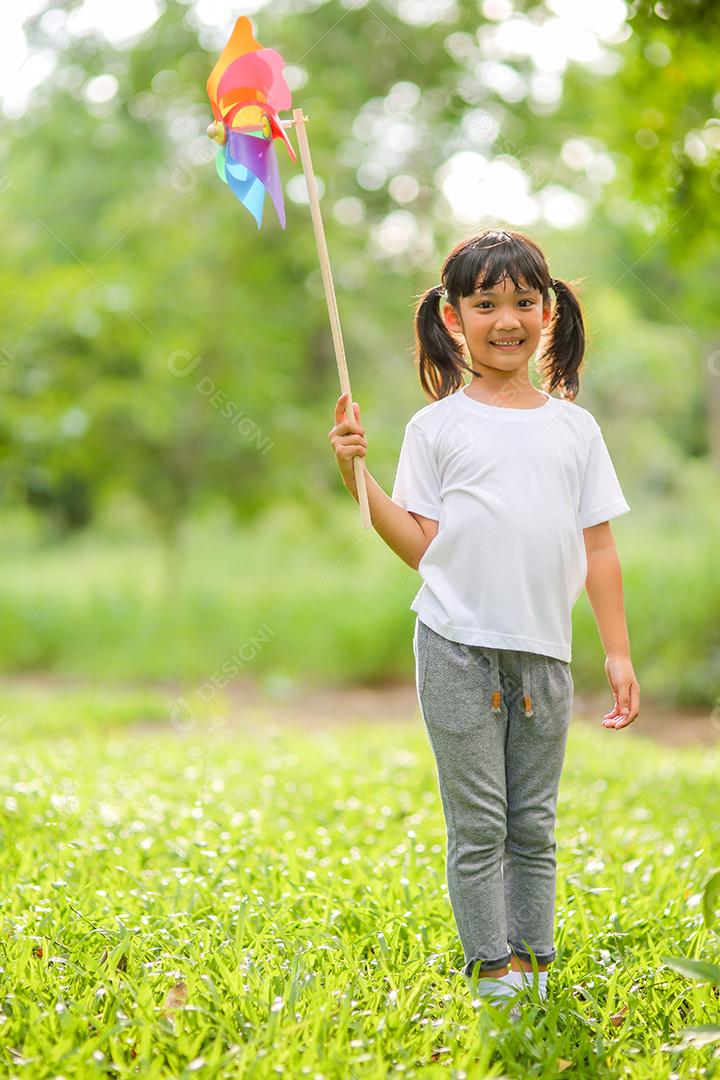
point(627, 693)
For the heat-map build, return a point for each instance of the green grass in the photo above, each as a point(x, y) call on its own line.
point(295, 884)
point(307, 595)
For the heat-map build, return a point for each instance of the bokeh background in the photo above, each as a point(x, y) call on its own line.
point(171, 511)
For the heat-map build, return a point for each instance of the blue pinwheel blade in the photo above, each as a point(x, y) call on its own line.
point(249, 191)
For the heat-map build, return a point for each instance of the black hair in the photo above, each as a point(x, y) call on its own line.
point(492, 256)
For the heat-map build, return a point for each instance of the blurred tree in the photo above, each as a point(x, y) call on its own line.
point(154, 341)
point(660, 118)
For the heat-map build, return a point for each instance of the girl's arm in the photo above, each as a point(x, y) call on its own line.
point(408, 536)
point(604, 588)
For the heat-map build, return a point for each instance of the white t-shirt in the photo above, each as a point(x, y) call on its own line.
point(512, 490)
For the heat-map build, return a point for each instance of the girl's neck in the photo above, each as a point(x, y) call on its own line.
point(508, 395)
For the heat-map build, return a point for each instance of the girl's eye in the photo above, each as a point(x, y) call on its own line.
point(483, 302)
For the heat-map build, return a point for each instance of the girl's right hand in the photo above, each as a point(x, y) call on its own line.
point(348, 441)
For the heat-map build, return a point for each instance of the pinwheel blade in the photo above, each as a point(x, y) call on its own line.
point(256, 76)
point(250, 191)
point(258, 157)
point(241, 41)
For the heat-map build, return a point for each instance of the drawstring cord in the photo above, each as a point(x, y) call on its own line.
point(496, 695)
point(496, 698)
point(525, 668)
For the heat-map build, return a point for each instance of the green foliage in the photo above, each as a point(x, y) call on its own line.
point(333, 607)
point(123, 253)
point(700, 970)
point(711, 898)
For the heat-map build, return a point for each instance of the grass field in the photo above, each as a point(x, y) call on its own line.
point(294, 884)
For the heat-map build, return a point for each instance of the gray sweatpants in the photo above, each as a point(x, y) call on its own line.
point(498, 721)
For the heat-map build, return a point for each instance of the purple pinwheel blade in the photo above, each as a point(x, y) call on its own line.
point(258, 157)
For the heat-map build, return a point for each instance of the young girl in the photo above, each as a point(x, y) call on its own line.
point(502, 501)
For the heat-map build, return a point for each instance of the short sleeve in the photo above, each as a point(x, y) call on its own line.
point(601, 497)
point(417, 481)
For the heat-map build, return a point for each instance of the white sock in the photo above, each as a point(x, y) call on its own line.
point(525, 978)
point(501, 986)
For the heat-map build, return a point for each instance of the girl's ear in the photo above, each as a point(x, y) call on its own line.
point(547, 314)
point(451, 320)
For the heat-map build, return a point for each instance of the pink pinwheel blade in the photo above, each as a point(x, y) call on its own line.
point(261, 71)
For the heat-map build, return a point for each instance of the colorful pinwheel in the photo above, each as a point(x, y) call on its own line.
point(247, 90)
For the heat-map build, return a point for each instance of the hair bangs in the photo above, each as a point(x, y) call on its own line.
point(491, 258)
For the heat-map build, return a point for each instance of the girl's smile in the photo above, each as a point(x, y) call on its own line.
point(507, 345)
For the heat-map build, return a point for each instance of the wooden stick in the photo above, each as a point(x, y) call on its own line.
point(358, 464)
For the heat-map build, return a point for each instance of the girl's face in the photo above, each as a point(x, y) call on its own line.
point(501, 326)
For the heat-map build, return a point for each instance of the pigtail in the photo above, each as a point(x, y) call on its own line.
point(563, 353)
point(439, 355)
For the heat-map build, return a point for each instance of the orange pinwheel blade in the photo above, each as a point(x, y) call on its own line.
point(241, 42)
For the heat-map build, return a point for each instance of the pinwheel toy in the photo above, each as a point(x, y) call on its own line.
point(247, 90)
